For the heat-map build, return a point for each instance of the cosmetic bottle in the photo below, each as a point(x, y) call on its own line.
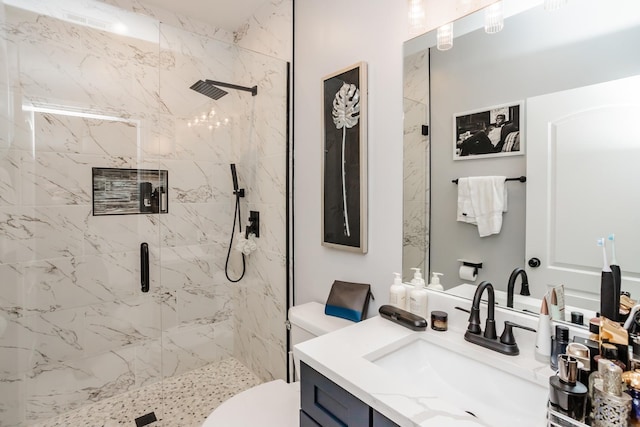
point(611, 407)
point(632, 379)
point(145, 197)
point(559, 344)
point(543, 334)
point(634, 361)
point(566, 395)
point(595, 379)
point(610, 352)
point(435, 282)
point(418, 299)
point(594, 329)
point(397, 293)
point(581, 353)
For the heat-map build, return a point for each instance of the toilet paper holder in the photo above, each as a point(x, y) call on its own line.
point(475, 265)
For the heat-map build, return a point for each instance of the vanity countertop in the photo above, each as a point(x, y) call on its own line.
point(344, 357)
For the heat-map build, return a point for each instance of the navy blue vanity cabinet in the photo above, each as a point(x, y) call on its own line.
point(326, 404)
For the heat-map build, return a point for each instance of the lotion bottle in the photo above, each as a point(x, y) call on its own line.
point(435, 282)
point(418, 296)
point(543, 336)
point(397, 293)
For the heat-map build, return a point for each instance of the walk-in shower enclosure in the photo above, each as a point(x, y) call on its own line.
point(85, 84)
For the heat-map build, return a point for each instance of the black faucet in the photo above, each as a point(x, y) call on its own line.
point(524, 289)
point(507, 343)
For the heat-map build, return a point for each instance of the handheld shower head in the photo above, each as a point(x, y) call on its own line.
point(239, 192)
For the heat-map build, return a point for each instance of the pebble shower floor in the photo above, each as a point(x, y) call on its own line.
point(188, 399)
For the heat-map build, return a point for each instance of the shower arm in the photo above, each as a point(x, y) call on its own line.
point(253, 90)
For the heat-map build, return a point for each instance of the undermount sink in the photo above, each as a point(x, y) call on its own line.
point(494, 397)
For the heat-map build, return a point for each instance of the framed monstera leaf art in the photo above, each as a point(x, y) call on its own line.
point(344, 161)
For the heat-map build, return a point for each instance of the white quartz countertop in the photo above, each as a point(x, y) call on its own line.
point(344, 357)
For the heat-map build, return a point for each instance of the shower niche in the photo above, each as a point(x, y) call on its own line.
point(130, 191)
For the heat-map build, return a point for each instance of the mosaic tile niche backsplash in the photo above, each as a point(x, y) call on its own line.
point(75, 327)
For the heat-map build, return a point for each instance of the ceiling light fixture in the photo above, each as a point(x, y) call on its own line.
point(445, 37)
point(493, 18)
point(417, 19)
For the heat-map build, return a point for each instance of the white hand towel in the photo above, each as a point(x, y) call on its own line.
point(488, 196)
point(465, 208)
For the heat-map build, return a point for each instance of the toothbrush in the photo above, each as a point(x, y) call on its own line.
point(615, 268)
point(608, 306)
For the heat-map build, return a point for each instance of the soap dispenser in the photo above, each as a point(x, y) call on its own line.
point(418, 296)
point(435, 282)
point(397, 293)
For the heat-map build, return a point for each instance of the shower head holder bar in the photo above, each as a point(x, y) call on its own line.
point(253, 90)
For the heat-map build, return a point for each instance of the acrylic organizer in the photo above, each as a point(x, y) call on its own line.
point(556, 419)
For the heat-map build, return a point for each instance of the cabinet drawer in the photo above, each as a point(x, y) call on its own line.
point(380, 420)
point(328, 404)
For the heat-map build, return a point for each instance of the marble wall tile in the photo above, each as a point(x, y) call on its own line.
point(63, 387)
point(11, 392)
point(189, 272)
point(119, 233)
point(173, 19)
point(63, 133)
point(10, 177)
point(416, 146)
point(416, 81)
point(41, 233)
point(195, 141)
point(11, 291)
point(269, 184)
point(192, 346)
point(189, 181)
point(195, 224)
point(56, 179)
point(114, 325)
point(269, 30)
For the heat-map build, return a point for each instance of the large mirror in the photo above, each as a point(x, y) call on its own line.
point(580, 161)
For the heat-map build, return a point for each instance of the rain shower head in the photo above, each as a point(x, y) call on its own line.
point(210, 89)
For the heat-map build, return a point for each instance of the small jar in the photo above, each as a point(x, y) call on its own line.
point(438, 320)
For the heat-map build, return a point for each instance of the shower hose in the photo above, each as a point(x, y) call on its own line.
point(236, 216)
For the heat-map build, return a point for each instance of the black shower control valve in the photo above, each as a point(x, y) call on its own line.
point(254, 224)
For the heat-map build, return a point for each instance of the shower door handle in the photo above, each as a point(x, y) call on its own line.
point(144, 267)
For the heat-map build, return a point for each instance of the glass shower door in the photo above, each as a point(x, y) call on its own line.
point(76, 328)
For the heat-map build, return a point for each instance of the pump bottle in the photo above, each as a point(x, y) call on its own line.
point(435, 282)
point(418, 296)
point(397, 293)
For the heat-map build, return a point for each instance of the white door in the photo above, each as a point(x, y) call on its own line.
point(583, 183)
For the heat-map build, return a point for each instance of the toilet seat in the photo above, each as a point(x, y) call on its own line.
point(271, 404)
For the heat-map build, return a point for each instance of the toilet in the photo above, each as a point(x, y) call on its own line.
point(277, 403)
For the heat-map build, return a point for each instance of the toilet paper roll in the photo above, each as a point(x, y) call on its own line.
point(468, 273)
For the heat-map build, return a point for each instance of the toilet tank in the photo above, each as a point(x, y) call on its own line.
point(309, 321)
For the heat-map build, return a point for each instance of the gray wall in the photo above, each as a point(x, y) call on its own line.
point(485, 70)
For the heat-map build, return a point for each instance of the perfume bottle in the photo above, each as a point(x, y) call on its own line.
point(566, 395)
point(559, 344)
point(611, 407)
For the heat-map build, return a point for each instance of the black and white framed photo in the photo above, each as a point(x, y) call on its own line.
point(344, 160)
point(489, 132)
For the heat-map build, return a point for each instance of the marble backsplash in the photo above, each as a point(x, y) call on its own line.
point(74, 326)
